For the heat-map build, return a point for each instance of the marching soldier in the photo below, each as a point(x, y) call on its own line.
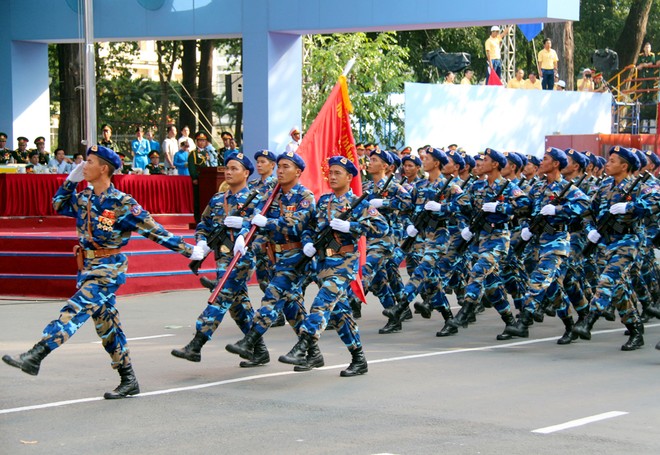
point(105, 218)
point(337, 267)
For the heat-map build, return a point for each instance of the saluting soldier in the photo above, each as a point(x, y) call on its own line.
point(337, 268)
point(105, 217)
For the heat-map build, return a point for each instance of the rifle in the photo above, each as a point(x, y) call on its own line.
point(238, 255)
point(478, 221)
point(325, 239)
point(607, 222)
point(422, 218)
point(219, 237)
point(539, 224)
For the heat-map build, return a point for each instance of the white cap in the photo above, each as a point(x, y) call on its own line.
point(293, 130)
point(494, 28)
point(586, 70)
point(562, 84)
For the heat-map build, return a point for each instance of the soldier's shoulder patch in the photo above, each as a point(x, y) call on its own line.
point(456, 189)
point(372, 212)
point(136, 209)
point(304, 203)
point(647, 190)
point(518, 192)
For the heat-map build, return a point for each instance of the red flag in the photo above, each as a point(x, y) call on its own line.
point(494, 79)
point(331, 135)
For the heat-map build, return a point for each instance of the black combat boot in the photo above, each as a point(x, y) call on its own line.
point(30, 361)
point(192, 351)
point(396, 311)
point(392, 326)
point(521, 328)
point(608, 313)
point(260, 356)
point(208, 283)
point(447, 329)
point(298, 353)
point(356, 306)
point(407, 314)
point(636, 340)
point(245, 347)
point(509, 321)
point(583, 329)
point(280, 321)
point(463, 315)
point(314, 359)
point(568, 335)
point(358, 364)
point(582, 314)
point(424, 309)
point(653, 310)
point(127, 386)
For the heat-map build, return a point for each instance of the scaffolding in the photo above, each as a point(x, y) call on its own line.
point(508, 55)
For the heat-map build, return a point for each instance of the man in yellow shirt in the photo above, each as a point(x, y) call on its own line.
point(547, 61)
point(493, 54)
point(518, 81)
point(532, 83)
point(467, 77)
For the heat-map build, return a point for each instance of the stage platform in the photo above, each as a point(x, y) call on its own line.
point(36, 258)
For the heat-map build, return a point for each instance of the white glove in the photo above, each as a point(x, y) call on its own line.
point(411, 231)
point(466, 234)
point(432, 206)
point(239, 245)
point(490, 207)
point(340, 225)
point(309, 250)
point(204, 246)
point(593, 236)
point(548, 210)
point(235, 222)
point(618, 208)
point(259, 220)
point(76, 174)
point(199, 252)
point(376, 203)
point(526, 234)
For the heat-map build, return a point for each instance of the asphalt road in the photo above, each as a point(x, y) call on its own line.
point(466, 394)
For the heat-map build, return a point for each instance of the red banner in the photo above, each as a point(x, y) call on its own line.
point(331, 135)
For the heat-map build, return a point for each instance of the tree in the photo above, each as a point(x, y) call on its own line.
point(379, 72)
point(168, 54)
point(633, 32)
point(69, 135)
point(205, 86)
point(187, 110)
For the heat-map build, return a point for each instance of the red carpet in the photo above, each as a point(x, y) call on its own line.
point(36, 259)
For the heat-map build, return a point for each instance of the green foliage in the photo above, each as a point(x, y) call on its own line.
point(380, 71)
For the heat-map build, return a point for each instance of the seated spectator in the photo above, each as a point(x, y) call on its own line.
point(60, 163)
point(78, 158)
point(181, 159)
point(518, 81)
point(560, 86)
point(155, 167)
point(33, 166)
point(450, 78)
point(586, 84)
point(467, 77)
point(533, 83)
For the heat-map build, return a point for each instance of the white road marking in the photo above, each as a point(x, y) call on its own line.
point(142, 338)
point(285, 373)
point(579, 422)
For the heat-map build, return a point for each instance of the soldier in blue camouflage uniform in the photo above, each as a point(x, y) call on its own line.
point(546, 281)
point(650, 268)
point(291, 211)
point(233, 296)
point(337, 268)
point(621, 243)
point(492, 242)
point(105, 217)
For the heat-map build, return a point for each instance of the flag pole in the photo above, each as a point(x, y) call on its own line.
point(348, 67)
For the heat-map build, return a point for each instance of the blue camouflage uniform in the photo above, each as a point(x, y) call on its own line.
point(263, 267)
point(104, 224)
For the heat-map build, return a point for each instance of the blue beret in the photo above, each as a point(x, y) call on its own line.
point(641, 157)
point(534, 160)
point(496, 156)
point(396, 161)
point(651, 156)
point(593, 159)
point(106, 154)
point(266, 154)
point(557, 155)
point(627, 155)
point(469, 160)
point(439, 155)
point(478, 157)
point(600, 162)
point(581, 160)
point(383, 155)
point(415, 159)
point(457, 158)
point(514, 158)
point(345, 163)
point(523, 158)
point(244, 160)
point(291, 156)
